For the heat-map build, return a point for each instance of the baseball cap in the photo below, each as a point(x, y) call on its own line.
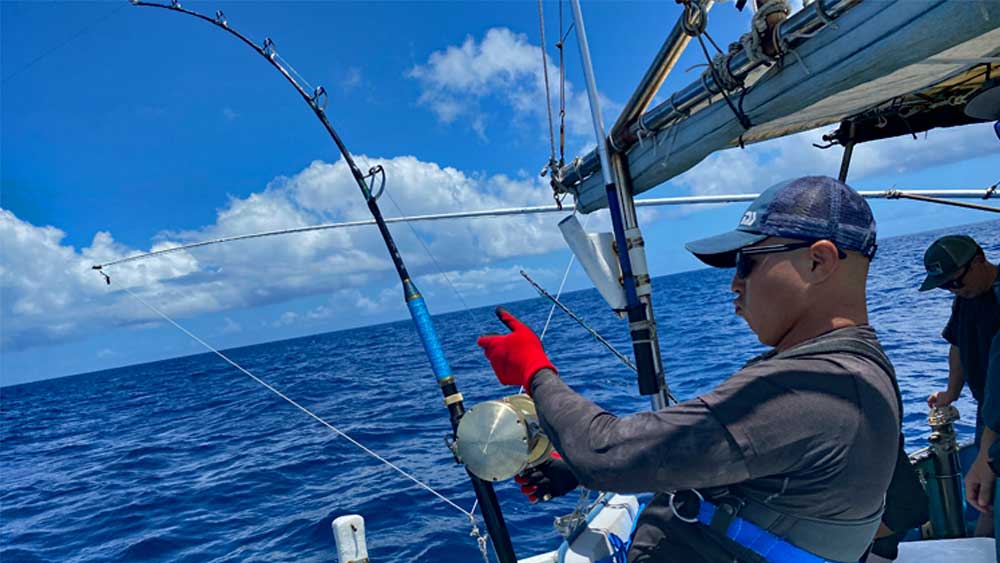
point(807, 208)
point(945, 257)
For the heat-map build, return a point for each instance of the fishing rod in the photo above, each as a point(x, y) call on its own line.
point(597, 336)
point(485, 494)
point(895, 194)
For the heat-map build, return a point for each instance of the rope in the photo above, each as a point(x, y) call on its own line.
point(298, 406)
point(753, 42)
point(724, 84)
point(693, 21)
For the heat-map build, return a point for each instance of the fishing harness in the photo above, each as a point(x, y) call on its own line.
point(744, 523)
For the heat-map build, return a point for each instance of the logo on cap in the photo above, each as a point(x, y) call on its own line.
point(749, 218)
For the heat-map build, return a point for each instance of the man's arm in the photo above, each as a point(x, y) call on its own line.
point(981, 481)
point(682, 446)
point(956, 380)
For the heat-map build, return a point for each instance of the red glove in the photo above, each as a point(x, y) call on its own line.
point(517, 356)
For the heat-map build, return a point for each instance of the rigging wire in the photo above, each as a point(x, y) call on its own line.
point(316, 417)
point(562, 284)
point(548, 96)
point(562, 86)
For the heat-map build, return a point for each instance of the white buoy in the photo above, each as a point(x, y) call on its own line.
point(349, 533)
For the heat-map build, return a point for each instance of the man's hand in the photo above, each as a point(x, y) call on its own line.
point(517, 356)
point(979, 485)
point(548, 480)
point(940, 399)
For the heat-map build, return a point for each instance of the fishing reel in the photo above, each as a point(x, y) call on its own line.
point(496, 440)
point(943, 437)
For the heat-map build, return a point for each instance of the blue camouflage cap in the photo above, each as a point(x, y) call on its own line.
point(807, 208)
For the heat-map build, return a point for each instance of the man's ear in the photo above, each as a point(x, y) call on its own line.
point(825, 260)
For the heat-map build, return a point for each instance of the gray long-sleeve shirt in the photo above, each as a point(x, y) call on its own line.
point(812, 436)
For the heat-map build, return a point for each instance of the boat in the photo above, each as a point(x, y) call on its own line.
point(874, 69)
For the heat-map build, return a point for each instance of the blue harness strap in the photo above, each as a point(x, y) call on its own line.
point(769, 546)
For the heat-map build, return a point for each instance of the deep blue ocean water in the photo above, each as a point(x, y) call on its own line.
point(190, 460)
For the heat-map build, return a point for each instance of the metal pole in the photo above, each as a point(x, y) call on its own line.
point(928, 195)
point(845, 162)
point(621, 136)
point(642, 328)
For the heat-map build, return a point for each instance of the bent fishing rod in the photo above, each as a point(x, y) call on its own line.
point(485, 494)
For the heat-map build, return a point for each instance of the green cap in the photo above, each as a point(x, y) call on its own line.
point(946, 257)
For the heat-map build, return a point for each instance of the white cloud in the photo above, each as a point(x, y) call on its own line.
point(504, 67)
point(50, 293)
point(230, 326)
point(352, 79)
point(753, 169)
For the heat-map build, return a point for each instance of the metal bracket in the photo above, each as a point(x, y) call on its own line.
point(99, 269)
point(452, 445)
point(991, 191)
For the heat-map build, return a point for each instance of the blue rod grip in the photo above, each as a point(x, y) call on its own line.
point(422, 319)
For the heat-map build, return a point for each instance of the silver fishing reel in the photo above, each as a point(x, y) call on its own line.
point(940, 417)
point(496, 440)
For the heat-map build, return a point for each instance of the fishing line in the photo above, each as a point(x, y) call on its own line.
point(569, 266)
point(68, 40)
point(316, 417)
point(465, 306)
point(541, 337)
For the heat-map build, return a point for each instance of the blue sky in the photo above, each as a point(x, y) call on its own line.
point(125, 129)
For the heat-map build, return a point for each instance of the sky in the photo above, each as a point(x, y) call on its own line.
point(126, 129)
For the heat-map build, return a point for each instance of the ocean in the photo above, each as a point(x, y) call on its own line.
point(190, 460)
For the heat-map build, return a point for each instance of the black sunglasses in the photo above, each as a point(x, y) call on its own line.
point(957, 282)
point(744, 256)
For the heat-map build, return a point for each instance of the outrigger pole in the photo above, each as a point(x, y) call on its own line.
point(638, 291)
point(414, 301)
point(932, 196)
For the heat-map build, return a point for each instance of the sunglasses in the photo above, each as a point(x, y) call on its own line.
point(957, 282)
point(744, 256)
